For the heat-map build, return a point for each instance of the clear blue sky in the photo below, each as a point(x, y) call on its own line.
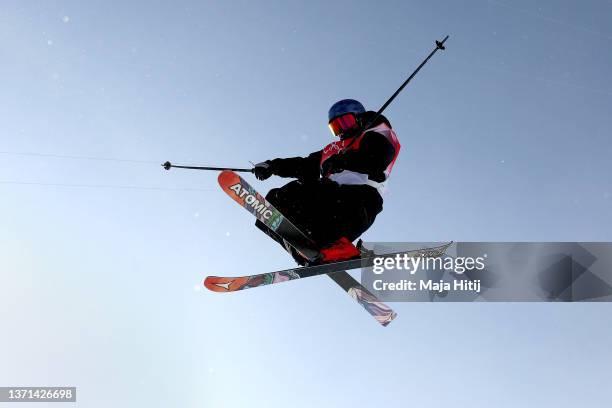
point(506, 136)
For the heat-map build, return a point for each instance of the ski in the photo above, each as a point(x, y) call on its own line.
point(245, 195)
point(232, 284)
point(379, 310)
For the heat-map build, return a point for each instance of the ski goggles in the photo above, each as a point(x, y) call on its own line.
point(342, 123)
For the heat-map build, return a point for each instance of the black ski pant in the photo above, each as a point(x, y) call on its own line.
point(325, 210)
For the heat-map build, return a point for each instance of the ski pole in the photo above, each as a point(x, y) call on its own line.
point(439, 46)
point(167, 165)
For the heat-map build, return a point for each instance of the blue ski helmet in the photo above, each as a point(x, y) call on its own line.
point(345, 106)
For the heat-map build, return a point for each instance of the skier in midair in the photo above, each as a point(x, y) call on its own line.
point(337, 192)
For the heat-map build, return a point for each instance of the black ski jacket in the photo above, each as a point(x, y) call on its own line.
point(372, 158)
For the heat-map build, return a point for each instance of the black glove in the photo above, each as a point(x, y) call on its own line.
point(263, 170)
point(334, 164)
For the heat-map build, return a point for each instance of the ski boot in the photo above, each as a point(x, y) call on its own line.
point(340, 250)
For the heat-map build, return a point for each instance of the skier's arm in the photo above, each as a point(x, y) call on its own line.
point(303, 168)
point(372, 158)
